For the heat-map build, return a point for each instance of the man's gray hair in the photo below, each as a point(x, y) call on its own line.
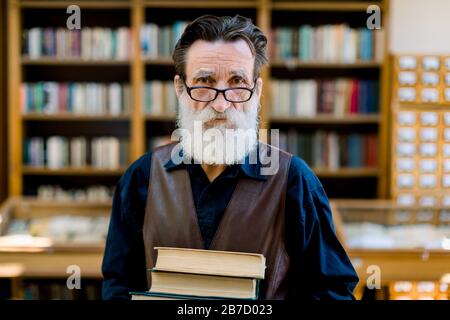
point(213, 28)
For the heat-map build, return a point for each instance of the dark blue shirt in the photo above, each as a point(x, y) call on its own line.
point(320, 267)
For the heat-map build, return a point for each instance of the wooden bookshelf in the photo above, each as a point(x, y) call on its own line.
point(300, 64)
point(159, 61)
point(330, 119)
point(346, 172)
point(139, 69)
point(287, 64)
point(162, 118)
point(19, 67)
point(200, 4)
point(110, 4)
point(51, 262)
point(323, 5)
point(74, 62)
point(73, 117)
point(72, 171)
point(284, 13)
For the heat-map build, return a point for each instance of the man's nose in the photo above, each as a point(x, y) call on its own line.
point(220, 104)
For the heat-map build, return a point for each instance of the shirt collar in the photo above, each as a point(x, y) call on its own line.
point(252, 170)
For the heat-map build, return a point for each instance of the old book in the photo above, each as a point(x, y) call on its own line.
point(212, 262)
point(203, 285)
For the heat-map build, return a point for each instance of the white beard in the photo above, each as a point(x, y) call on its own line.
point(227, 143)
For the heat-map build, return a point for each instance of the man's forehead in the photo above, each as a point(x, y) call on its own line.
point(209, 57)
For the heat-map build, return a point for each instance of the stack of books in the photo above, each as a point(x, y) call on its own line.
point(181, 273)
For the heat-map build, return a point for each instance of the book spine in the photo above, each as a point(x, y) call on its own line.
point(308, 98)
point(330, 149)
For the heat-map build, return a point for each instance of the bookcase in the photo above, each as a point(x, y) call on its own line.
point(322, 128)
point(149, 118)
point(143, 126)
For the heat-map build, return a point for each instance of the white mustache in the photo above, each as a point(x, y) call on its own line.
point(209, 114)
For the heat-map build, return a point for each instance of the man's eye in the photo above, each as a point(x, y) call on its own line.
point(237, 81)
point(203, 80)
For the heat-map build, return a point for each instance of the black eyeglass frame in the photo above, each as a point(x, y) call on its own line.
point(251, 90)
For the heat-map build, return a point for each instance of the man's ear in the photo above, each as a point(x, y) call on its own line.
point(178, 83)
point(259, 84)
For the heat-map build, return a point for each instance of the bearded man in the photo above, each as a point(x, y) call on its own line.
point(210, 190)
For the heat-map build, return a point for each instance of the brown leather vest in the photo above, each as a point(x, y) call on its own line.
point(254, 220)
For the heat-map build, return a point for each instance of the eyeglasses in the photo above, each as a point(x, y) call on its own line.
point(208, 94)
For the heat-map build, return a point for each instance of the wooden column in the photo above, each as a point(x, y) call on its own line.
point(384, 143)
point(14, 114)
point(264, 22)
point(137, 138)
point(3, 113)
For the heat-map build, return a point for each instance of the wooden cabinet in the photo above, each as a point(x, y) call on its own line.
point(23, 261)
point(411, 257)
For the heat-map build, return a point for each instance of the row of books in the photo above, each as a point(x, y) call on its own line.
point(320, 149)
point(328, 43)
point(86, 43)
point(57, 290)
point(94, 193)
point(300, 98)
point(181, 273)
point(76, 98)
point(160, 98)
point(59, 228)
point(159, 41)
point(330, 149)
point(307, 98)
point(100, 43)
point(57, 152)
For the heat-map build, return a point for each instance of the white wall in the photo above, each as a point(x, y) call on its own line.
point(419, 26)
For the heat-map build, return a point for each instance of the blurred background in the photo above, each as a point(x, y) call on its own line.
point(359, 89)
